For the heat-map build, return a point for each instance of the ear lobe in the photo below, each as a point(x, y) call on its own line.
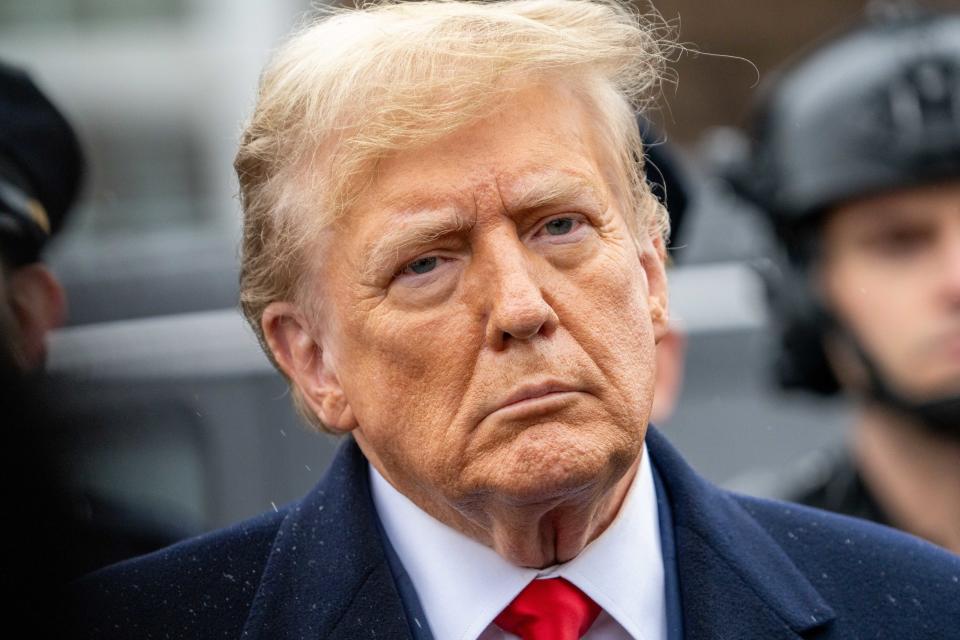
point(660, 317)
point(298, 353)
point(39, 305)
point(335, 412)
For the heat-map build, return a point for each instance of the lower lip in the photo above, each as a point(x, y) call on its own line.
point(546, 403)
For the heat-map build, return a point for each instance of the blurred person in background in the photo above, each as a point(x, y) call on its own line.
point(41, 167)
point(40, 174)
point(41, 170)
point(455, 261)
point(855, 162)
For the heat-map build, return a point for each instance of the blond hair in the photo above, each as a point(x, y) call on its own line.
point(357, 84)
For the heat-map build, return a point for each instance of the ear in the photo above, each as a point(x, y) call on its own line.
point(653, 256)
point(39, 306)
point(671, 352)
point(298, 352)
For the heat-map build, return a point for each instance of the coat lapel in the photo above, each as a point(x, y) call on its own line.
point(735, 580)
point(328, 576)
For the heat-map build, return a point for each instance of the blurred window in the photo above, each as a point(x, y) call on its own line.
point(145, 179)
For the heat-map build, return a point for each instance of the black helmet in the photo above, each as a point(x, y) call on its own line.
point(876, 109)
point(873, 110)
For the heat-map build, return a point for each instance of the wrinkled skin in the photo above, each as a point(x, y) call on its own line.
point(492, 262)
point(891, 272)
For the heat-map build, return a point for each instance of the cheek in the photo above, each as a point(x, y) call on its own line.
point(609, 316)
point(884, 313)
point(405, 374)
point(615, 286)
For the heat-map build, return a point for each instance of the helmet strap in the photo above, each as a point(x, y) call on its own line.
point(939, 416)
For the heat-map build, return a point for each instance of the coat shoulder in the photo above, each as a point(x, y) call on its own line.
point(864, 570)
point(186, 590)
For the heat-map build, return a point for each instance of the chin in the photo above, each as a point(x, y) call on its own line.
point(553, 461)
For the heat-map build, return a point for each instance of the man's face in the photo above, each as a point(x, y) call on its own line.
point(489, 316)
point(891, 272)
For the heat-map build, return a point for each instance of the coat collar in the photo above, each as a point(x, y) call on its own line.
point(328, 575)
point(735, 580)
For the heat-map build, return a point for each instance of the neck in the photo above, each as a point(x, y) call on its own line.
point(913, 475)
point(529, 534)
point(540, 536)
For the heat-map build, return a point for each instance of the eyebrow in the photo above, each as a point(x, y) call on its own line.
point(543, 191)
point(418, 226)
point(412, 228)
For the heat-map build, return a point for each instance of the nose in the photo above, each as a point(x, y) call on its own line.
point(517, 307)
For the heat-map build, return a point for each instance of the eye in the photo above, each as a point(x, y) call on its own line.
point(559, 226)
point(421, 265)
point(563, 229)
point(902, 241)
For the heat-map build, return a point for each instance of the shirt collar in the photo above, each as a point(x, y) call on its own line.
point(463, 585)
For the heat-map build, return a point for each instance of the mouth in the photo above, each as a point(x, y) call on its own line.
point(543, 396)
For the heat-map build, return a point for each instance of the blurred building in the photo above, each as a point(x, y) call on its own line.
point(158, 91)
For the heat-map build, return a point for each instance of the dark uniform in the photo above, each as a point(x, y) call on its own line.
point(59, 533)
point(835, 484)
point(874, 110)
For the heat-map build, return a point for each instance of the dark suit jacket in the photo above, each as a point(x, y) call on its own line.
point(747, 568)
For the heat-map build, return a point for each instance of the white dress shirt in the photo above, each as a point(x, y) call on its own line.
point(463, 585)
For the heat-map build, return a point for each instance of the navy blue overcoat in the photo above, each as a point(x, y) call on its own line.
point(747, 568)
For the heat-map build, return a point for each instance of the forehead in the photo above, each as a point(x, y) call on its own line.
point(537, 138)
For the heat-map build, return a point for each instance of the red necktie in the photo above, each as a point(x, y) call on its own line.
point(551, 609)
